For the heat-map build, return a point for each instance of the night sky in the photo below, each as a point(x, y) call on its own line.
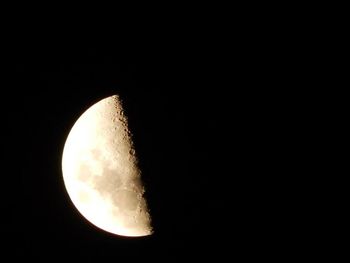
point(175, 106)
point(216, 130)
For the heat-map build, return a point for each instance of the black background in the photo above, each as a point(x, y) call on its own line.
point(176, 103)
point(220, 113)
point(217, 130)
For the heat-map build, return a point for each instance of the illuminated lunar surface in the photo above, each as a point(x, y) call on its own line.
point(101, 174)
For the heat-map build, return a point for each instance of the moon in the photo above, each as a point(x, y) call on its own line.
point(101, 174)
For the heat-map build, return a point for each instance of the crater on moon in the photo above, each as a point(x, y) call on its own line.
point(126, 199)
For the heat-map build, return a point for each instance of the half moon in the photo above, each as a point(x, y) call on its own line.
point(101, 174)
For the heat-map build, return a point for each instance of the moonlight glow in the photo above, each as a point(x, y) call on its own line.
point(100, 171)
